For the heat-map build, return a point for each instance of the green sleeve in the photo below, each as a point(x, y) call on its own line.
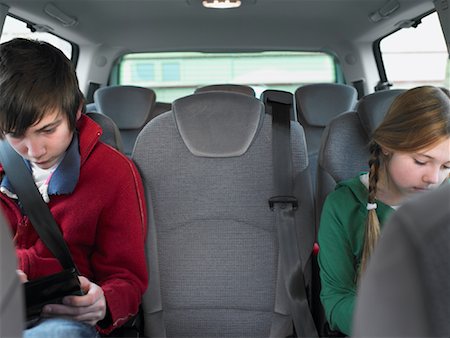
point(337, 259)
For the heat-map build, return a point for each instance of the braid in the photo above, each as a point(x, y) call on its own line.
point(372, 231)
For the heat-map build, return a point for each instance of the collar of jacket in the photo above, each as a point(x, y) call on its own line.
point(65, 177)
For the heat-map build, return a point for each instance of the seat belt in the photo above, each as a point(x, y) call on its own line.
point(34, 206)
point(284, 204)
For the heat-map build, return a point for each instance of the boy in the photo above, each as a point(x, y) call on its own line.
point(94, 193)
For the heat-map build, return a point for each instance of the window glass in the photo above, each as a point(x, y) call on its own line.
point(14, 28)
point(417, 56)
point(178, 74)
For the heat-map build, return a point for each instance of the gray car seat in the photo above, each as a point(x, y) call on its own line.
point(12, 310)
point(405, 291)
point(235, 88)
point(344, 150)
point(344, 153)
point(129, 107)
point(316, 105)
point(111, 133)
point(212, 244)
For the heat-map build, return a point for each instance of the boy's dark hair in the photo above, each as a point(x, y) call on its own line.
point(35, 78)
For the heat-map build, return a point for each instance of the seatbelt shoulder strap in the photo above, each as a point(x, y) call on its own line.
point(33, 204)
point(284, 203)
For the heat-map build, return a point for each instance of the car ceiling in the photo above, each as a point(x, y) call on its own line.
point(164, 25)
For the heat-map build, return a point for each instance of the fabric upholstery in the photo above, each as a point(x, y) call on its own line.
point(316, 105)
point(129, 107)
point(225, 131)
point(212, 243)
point(235, 88)
point(405, 291)
point(344, 150)
point(12, 311)
point(110, 132)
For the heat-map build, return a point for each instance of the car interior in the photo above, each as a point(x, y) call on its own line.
point(191, 91)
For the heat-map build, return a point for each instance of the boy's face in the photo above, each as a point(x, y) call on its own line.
point(45, 142)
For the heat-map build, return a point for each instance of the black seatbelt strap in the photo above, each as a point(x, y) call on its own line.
point(33, 204)
point(284, 204)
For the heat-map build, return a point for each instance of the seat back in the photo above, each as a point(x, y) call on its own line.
point(405, 291)
point(316, 105)
point(235, 88)
point(12, 309)
point(344, 150)
point(111, 133)
point(212, 245)
point(129, 107)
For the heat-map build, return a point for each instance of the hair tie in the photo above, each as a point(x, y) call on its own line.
point(371, 206)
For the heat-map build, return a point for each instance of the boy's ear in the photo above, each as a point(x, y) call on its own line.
point(79, 111)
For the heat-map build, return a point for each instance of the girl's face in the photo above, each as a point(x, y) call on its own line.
point(409, 173)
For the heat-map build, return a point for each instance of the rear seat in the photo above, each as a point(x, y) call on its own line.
point(316, 105)
point(343, 154)
point(212, 243)
point(344, 151)
point(129, 107)
point(111, 133)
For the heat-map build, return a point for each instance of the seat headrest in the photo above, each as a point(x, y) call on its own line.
point(280, 96)
point(218, 124)
point(317, 104)
point(235, 88)
point(372, 108)
point(128, 106)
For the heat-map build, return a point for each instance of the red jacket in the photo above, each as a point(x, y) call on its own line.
point(103, 222)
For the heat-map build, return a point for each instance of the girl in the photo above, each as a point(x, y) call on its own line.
point(409, 154)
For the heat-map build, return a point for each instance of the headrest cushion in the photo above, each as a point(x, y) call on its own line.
point(235, 88)
point(128, 106)
point(218, 124)
point(317, 104)
point(372, 108)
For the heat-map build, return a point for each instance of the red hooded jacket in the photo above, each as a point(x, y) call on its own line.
point(103, 221)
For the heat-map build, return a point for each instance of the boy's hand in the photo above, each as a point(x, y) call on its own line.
point(89, 308)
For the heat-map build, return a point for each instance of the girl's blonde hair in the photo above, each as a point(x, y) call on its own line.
point(417, 119)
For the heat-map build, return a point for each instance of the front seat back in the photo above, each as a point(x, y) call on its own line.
point(12, 308)
point(212, 243)
point(129, 107)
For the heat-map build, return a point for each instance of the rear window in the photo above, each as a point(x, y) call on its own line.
point(176, 74)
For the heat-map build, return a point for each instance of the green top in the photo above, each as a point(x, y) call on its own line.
point(341, 236)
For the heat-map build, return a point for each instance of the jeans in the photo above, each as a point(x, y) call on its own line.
point(60, 328)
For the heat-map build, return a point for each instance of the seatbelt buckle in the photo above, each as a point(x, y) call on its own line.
point(283, 200)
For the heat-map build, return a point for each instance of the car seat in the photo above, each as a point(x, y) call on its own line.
point(212, 243)
point(129, 107)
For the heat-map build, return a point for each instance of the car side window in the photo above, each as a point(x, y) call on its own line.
point(15, 28)
point(416, 56)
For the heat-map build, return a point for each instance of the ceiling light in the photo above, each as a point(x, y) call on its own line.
point(221, 4)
